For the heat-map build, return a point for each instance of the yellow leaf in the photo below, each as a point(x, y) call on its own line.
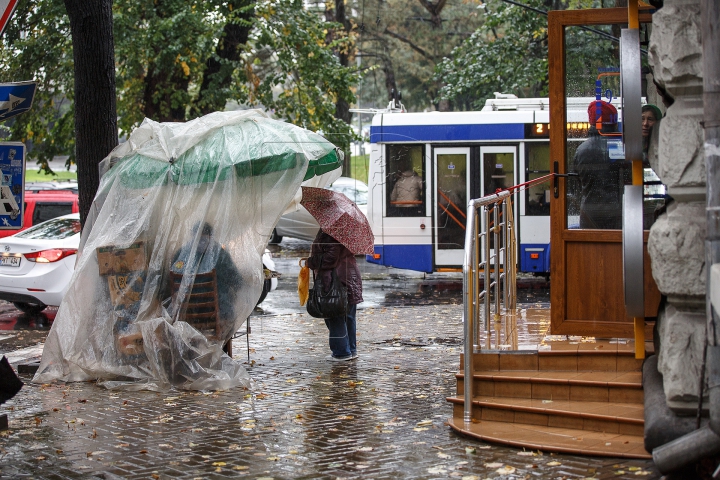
point(185, 67)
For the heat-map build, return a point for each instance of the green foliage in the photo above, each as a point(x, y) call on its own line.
point(507, 54)
point(303, 79)
point(398, 38)
point(162, 52)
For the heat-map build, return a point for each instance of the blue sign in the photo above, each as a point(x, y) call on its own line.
point(16, 98)
point(12, 181)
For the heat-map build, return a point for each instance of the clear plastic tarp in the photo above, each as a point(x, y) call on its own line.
point(169, 266)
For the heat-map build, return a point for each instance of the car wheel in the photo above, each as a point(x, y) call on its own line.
point(29, 307)
point(266, 288)
point(275, 238)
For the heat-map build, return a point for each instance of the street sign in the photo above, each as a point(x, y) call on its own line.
point(7, 7)
point(15, 98)
point(12, 185)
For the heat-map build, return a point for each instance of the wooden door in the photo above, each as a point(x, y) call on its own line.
point(586, 264)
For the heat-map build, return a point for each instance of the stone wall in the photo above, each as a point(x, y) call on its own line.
point(676, 243)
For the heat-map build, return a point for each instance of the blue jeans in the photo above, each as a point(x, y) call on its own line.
point(342, 333)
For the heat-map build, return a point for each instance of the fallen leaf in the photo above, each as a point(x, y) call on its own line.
point(526, 454)
point(506, 470)
point(443, 455)
point(470, 450)
point(219, 464)
point(240, 467)
point(553, 464)
point(493, 465)
point(424, 422)
point(143, 451)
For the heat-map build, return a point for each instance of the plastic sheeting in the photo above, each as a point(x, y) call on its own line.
point(170, 265)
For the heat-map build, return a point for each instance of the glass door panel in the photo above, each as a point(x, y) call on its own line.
point(452, 185)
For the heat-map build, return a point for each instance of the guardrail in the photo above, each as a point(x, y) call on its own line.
point(501, 253)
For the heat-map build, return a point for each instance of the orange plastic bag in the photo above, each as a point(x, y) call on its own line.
point(303, 281)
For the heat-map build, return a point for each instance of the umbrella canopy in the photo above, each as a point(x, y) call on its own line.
point(339, 217)
point(129, 317)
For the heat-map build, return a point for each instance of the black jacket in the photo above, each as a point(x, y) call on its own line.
point(602, 180)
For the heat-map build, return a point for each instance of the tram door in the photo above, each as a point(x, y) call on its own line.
point(497, 172)
point(452, 184)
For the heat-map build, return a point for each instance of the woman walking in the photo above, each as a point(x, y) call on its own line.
point(326, 255)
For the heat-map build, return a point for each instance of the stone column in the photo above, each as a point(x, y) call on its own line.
point(676, 243)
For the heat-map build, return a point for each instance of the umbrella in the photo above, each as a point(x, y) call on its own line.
point(340, 218)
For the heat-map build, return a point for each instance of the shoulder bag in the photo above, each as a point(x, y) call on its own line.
point(327, 303)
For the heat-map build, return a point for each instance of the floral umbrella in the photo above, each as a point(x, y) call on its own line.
point(339, 217)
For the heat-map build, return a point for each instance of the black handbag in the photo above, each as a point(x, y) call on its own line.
point(327, 303)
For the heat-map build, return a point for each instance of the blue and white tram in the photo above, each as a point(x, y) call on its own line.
point(424, 167)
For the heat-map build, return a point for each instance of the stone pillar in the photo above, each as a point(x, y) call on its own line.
point(676, 243)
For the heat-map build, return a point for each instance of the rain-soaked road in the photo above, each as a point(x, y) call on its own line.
point(381, 416)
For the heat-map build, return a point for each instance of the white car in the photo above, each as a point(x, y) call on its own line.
point(36, 264)
point(300, 224)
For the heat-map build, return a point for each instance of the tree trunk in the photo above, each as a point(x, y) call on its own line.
point(218, 73)
point(342, 108)
point(96, 132)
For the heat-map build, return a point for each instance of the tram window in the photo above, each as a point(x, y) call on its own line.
point(405, 181)
point(538, 165)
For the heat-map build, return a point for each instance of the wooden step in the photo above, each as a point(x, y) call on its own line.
point(558, 360)
point(583, 399)
point(616, 387)
point(554, 439)
point(617, 418)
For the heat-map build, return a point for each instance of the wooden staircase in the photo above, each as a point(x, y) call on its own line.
point(582, 399)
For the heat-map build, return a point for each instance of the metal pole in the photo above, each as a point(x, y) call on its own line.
point(476, 263)
point(487, 271)
point(469, 316)
point(496, 231)
point(506, 255)
point(512, 248)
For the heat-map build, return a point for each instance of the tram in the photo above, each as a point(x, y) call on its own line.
point(424, 167)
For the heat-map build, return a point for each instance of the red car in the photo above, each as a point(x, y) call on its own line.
point(42, 205)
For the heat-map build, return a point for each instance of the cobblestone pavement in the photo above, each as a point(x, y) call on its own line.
point(381, 416)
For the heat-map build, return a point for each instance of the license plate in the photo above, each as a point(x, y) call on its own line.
point(10, 261)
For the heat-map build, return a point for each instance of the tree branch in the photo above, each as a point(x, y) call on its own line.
point(407, 42)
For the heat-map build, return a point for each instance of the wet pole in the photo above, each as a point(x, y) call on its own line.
point(470, 266)
point(496, 232)
point(506, 256)
point(487, 284)
point(477, 239)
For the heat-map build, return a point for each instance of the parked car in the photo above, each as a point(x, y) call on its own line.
point(36, 264)
point(42, 205)
point(300, 224)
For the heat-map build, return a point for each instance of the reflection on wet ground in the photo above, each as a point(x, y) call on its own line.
point(13, 319)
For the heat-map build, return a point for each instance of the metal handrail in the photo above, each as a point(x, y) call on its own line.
point(505, 282)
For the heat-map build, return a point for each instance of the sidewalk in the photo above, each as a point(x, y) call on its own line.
point(381, 416)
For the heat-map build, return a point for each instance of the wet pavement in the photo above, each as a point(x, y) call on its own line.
point(381, 416)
